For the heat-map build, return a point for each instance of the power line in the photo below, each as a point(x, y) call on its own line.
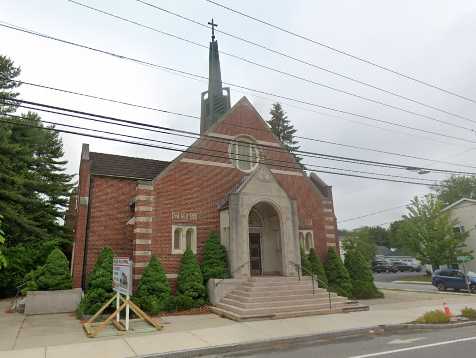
point(273, 69)
point(342, 52)
point(305, 62)
point(268, 147)
point(161, 67)
point(192, 152)
point(371, 214)
point(235, 125)
point(267, 161)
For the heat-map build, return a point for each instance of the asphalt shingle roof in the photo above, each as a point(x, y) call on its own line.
point(125, 167)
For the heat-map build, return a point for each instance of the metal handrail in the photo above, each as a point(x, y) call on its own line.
point(232, 272)
point(313, 278)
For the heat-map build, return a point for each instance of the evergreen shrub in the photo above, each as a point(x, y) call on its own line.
point(191, 291)
point(338, 278)
point(215, 260)
point(305, 264)
point(153, 293)
point(54, 275)
point(99, 284)
point(360, 273)
point(317, 268)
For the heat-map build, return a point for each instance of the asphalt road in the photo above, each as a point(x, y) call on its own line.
point(442, 343)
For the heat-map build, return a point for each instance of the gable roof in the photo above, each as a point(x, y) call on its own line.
point(456, 203)
point(125, 167)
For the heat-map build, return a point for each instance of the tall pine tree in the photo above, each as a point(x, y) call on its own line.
point(34, 188)
point(284, 130)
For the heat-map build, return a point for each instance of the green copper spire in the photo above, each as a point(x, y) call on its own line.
point(215, 101)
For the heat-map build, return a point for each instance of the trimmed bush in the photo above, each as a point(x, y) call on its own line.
point(468, 313)
point(99, 284)
point(317, 268)
point(191, 291)
point(54, 275)
point(153, 293)
point(436, 316)
point(305, 264)
point(215, 260)
point(363, 286)
point(338, 278)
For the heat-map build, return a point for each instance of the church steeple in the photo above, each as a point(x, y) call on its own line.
point(215, 101)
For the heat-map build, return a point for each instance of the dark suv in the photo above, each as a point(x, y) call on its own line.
point(455, 279)
point(383, 266)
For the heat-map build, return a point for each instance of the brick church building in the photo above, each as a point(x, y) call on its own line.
point(236, 179)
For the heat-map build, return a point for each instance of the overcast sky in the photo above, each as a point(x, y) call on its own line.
point(431, 40)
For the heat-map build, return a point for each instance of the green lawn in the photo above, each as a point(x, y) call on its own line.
point(420, 278)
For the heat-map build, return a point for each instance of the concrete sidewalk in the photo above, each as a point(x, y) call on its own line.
point(194, 332)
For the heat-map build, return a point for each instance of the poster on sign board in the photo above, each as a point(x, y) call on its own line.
point(122, 275)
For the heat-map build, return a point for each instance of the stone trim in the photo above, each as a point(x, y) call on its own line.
point(329, 227)
point(327, 210)
point(331, 236)
point(140, 264)
point(206, 162)
point(230, 137)
point(333, 244)
point(144, 198)
point(131, 221)
point(286, 172)
point(84, 200)
point(137, 276)
point(171, 275)
point(330, 218)
point(145, 187)
point(143, 241)
point(141, 230)
point(143, 208)
point(143, 219)
point(142, 253)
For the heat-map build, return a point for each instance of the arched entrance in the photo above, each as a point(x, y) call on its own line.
point(264, 234)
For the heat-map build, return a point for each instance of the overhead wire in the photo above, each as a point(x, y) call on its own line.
point(342, 52)
point(302, 61)
point(274, 69)
point(153, 65)
point(192, 152)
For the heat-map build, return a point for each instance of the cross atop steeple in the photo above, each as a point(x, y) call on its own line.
point(213, 25)
point(215, 101)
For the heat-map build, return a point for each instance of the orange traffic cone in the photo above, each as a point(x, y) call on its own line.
point(447, 310)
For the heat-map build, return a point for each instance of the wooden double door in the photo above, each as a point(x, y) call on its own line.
point(255, 254)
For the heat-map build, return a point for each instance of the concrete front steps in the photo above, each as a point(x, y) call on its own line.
point(274, 297)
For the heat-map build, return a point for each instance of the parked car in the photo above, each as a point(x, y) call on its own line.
point(455, 279)
point(383, 266)
point(404, 267)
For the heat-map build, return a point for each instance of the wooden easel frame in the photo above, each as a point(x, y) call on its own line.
point(93, 329)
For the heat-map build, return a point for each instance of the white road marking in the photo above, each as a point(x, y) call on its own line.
point(405, 341)
point(415, 347)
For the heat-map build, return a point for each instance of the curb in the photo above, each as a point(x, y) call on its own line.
point(254, 346)
point(412, 282)
point(269, 343)
point(422, 291)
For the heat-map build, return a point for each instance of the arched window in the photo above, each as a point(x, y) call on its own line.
point(301, 240)
point(189, 239)
point(177, 239)
point(254, 219)
point(309, 241)
point(184, 237)
point(306, 240)
point(244, 154)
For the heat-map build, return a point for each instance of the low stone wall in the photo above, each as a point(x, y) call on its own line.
point(61, 301)
point(219, 288)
